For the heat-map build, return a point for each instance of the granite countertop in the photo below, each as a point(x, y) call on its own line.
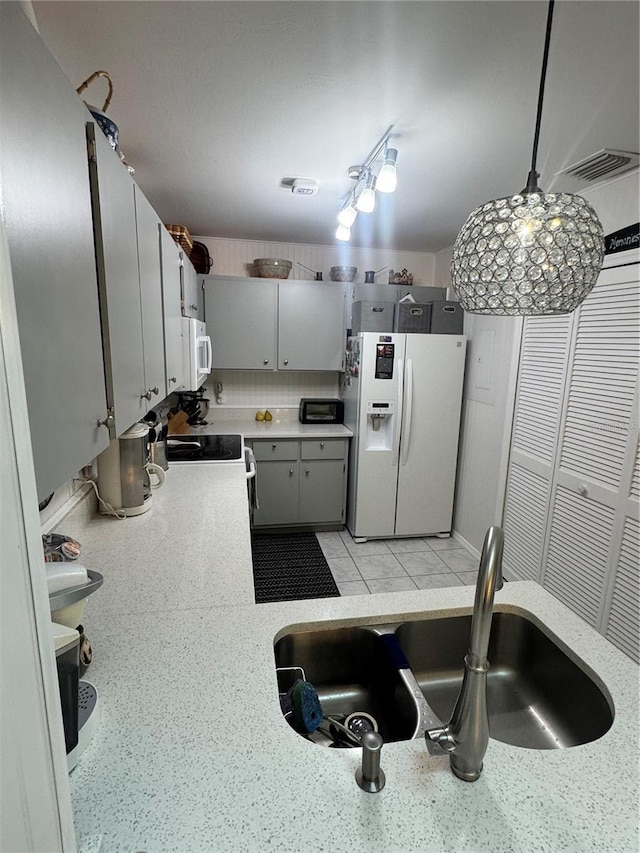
point(192, 753)
point(285, 424)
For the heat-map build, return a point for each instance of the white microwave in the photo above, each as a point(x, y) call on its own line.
point(196, 353)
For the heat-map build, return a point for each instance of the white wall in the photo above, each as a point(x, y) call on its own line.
point(235, 257)
point(492, 354)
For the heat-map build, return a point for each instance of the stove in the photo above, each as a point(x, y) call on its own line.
point(205, 448)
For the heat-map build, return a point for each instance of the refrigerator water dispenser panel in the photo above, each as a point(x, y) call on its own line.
point(379, 435)
point(384, 361)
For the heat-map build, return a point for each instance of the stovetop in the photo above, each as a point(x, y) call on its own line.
point(204, 448)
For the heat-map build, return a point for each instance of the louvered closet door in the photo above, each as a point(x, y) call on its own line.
point(623, 604)
point(590, 526)
point(543, 364)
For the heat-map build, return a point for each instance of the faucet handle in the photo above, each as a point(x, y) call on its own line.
point(439, 741)
point(370, 777)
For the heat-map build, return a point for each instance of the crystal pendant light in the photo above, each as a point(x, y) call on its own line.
point(532, 253)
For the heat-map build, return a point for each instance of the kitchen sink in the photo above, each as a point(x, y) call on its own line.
point(539, 695)
point(351, 673)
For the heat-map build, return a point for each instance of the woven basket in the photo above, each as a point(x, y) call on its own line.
point(180, 234)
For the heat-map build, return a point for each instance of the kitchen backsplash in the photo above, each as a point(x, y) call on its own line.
point(261, 388)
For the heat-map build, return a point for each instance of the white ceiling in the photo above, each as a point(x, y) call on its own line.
point(218, 102)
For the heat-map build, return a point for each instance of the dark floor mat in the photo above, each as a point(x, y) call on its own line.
point(289, 568)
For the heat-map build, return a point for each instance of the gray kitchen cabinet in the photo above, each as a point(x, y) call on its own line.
point(300, 482)
point(149, 267)
point(127, 238)
point(241, 318)
point(112, 192)
point(190, 285)
point(311, 326)
point(46, 208)
point(171, 265)
point(265, 324)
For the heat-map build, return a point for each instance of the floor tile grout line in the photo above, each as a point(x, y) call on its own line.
point(446, 569)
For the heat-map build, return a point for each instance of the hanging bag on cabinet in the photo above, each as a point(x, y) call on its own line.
point(107, 126)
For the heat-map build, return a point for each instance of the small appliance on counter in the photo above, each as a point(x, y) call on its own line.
point(69, 584)
point(124, 473)
point(320, 411)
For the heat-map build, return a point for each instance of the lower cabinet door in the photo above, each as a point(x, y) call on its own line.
point(277, 488)
point(321, 491)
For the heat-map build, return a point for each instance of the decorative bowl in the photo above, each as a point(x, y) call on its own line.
point(272, 267)
point(343, 273)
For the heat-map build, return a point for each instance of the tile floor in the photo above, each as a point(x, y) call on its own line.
point(396, 565)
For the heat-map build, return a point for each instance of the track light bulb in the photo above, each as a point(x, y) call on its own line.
point(387, 180)
point(347, 215)
point(343, 233)
point(367, 199)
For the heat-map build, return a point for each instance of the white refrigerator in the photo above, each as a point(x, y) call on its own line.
point(403, 398)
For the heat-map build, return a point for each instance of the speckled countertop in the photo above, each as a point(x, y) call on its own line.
point(192, 753)
point(285, 424)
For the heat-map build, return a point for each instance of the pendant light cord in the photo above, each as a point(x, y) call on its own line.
point(532, 179)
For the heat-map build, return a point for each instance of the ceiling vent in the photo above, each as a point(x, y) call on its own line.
point(604, 163)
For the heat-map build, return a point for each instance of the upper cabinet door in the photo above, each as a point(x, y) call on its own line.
point(171, 264)
point(112, 190)
point(190, 295)
point(47, 211)
point(241, 321)
point(311, 326)
point(148, 232)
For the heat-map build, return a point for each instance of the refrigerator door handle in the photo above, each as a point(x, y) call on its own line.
point(406, 418)
point(397, 417)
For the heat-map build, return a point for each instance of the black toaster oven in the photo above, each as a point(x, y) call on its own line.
point(320, 411)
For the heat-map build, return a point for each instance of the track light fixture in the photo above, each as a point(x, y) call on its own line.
point(532, 253)
point(362, 196)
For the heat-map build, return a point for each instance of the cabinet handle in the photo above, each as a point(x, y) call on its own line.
point(146, 395)
point(286, 361)
point(266, 361)
point(173, 379)
point(109, 422)
point(193, 307)
point(582, 490)
point(322, 445)
point(273, 446)
point(155, 390)
point(306, 472)
point(291, 472)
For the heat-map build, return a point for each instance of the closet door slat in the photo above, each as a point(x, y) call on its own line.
point(622, 627)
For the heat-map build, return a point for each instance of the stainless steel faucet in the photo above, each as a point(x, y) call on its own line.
point(465, 737)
